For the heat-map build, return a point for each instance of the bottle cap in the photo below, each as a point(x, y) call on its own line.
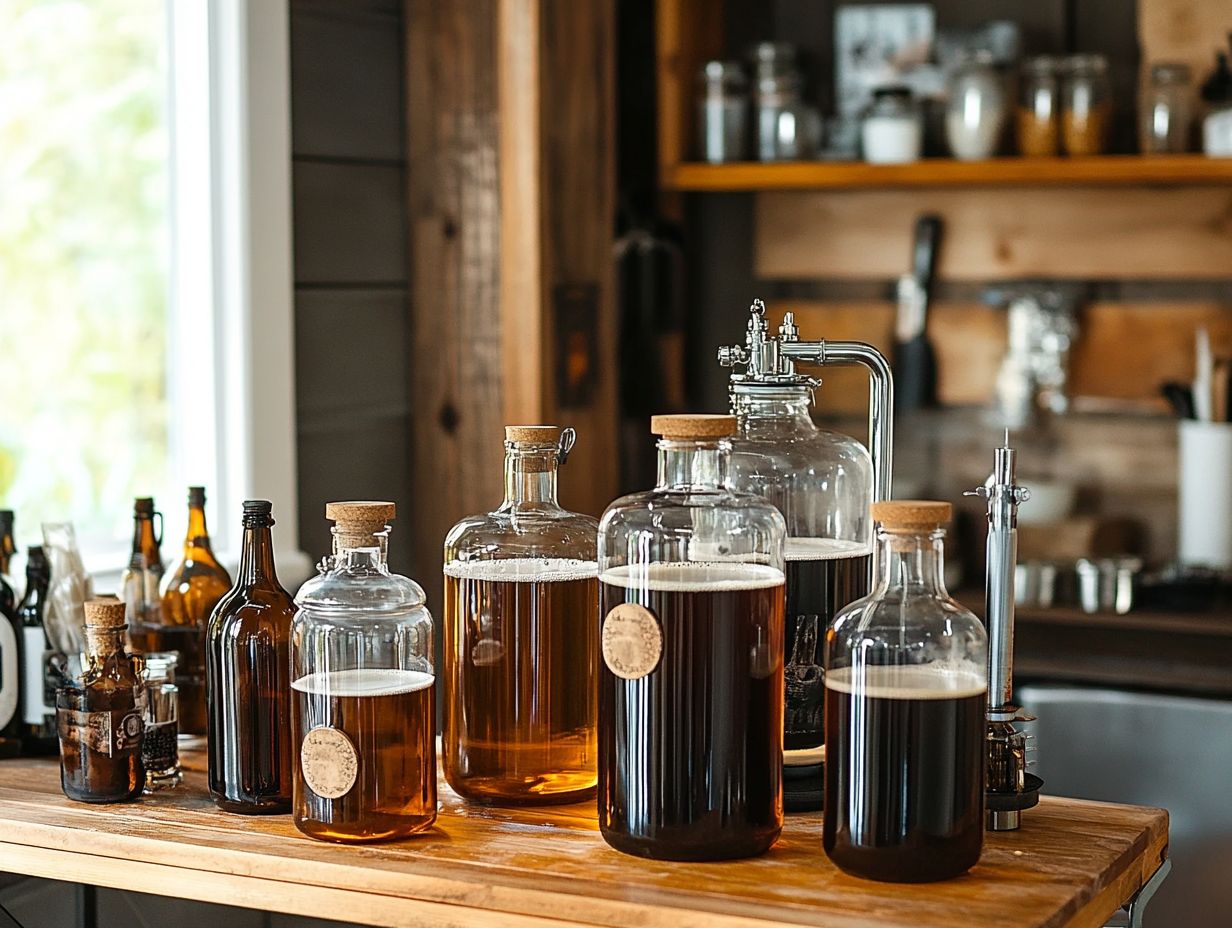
point(697, 427)
point(538, 434)
point(912, 513)
point(196, 496)
point(105, 612)
point(143, 505)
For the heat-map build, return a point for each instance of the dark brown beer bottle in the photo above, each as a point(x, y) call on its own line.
point(38, 691)
point(141, 578)
point(10, 654)
point(194, 588)
point(248, 685)
point(101, 723)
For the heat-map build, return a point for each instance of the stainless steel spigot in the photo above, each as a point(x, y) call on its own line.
point(770, 362)
point(1010, 789)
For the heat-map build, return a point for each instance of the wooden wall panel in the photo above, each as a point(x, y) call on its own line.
point(1124, 351)
point(1189, 31)
point(1084, 233)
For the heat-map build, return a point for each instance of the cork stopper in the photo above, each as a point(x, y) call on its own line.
point(143, 506)
point(196, 497)
point(912, 513)
point(536, 434)
point(693, 427)
point(356, 522)
point(105, 613)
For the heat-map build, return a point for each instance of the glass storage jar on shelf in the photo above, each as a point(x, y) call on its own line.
point(1165, 109)
point(691, 684)
point(975, 110)
point(1086, 114)
point(822, 483)
point(363, 712)
point(1038, 115)
point(521, 637)
point(906, 693)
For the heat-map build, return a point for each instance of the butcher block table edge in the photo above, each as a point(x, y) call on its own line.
point(1074, 863)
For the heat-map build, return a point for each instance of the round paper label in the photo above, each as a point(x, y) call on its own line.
point(329, 762)
point(632, 641)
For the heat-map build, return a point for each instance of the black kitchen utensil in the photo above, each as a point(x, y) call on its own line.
point(915, 365)
point(1180, 398)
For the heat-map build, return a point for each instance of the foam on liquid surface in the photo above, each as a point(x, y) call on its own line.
point(368, 682)
point(694, 577)
point(523, 570)
point(824, 549)
point(926, 681)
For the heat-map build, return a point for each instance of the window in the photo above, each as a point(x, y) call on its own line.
point(145, 279)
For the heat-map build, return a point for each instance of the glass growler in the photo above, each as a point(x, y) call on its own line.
point(691, 592)
point(100, 720)
point(521, 639)
point(906, 687)
point(192, 590)
point(141, 578)
point(247, 678)
point(364, 719)
point(10, 653)
point(38, 682)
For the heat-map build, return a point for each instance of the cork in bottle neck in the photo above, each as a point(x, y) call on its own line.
point(361, 524)
point(106, 621)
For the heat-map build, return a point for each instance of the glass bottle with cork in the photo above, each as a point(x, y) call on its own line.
point(521, 641)
point(38, 687)
point(691, 591)
point(100, 720)
point(363, 714)
point(906, 692)
point(248, 682)
point(141, 578)
point(192, 590)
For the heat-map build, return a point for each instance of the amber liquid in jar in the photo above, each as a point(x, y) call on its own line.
point(369, 774)
point(521, 644)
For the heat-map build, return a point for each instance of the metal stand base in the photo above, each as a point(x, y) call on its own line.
point(1134, 910)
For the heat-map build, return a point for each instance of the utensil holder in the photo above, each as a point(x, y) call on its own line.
point(1204, 493)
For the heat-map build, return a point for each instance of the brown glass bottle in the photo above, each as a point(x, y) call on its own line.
point(248, 680)
point(192, 590)
point(10, 649)
point(100, 724)
point(141, 578)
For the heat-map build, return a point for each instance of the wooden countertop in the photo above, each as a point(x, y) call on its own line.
point(1073, 863)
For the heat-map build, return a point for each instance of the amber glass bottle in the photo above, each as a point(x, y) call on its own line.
point(248, 683)
point(141, 578)
point(192, 591)
point(101, 723)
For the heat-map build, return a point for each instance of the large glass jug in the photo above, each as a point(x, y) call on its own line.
point(691, 684)
point(363, 716)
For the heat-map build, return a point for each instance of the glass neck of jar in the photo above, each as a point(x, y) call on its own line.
point(145, 541)
point(198, 535)
point(913, 561)
point(531, 474)
point(361, 548)
point(787, 405)
point(102, 643)
point(693, 465)
point(257, 557)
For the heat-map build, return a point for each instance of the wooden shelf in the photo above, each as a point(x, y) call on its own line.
point(1073, 863)
point(1104, 170)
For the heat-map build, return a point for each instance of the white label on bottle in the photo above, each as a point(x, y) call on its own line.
point(9, 679)
point(632, 641)
point(329, 762)
point(33, 675)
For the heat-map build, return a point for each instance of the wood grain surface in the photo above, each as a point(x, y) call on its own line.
point(1073, 863)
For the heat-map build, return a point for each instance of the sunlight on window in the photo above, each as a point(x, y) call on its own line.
point(83, 261)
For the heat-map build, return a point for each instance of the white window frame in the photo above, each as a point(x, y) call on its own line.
point(231, 338)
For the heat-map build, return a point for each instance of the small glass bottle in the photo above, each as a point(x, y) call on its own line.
point(906, 693)
point(248, 680)
point(1087, 105)
point(892, 129)
point(521, 640)
point(160, 751)
point(691, 594)
point(1038, 116)
point(141, 578)
point(364, 718)
point(1165, 111)
point(100, 722)
point(785, 128)
point(722, 112)
point(38, 689)
point(192, 590)
point(975, 112)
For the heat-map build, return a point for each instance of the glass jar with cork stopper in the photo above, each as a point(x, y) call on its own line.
point(906, 692)
point(521, 637)
point(363, 714)
point(100, 718)
point(691, 588)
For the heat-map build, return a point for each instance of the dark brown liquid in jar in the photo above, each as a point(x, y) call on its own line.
point(690, 736)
